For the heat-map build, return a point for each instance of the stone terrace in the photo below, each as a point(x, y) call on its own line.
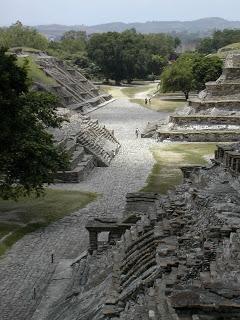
point(213, 116)
point(28, 264)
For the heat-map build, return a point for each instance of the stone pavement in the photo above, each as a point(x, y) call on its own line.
point(28, 264)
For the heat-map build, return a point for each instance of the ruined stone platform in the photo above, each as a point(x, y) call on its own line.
point(213, 116)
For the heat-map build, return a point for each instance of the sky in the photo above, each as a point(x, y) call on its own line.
point(91, 12)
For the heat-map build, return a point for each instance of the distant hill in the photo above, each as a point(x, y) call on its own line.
point(202, 27)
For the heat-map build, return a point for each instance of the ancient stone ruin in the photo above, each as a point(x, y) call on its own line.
point(174, 256)
point(213, 116)
point(73, 89)
point(89, 143)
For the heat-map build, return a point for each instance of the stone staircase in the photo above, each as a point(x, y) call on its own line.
point(213, 116)
point(88, 143)
point(74, 90)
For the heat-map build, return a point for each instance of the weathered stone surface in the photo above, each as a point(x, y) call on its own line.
point(213, 116)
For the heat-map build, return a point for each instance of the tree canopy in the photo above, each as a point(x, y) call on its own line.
point(218, 40)
point(18, 35)
point(28, 156)
point(190, 72)
point(129, 55)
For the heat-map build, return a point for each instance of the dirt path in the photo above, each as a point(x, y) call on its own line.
point(28, 264)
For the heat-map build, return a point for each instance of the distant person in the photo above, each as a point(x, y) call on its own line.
point(149, 100)
point(137, 132)
point(146, 101)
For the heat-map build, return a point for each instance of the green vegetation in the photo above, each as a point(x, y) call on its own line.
point(218, 40)
point(231, 48)
point(28, 156)
point(143, 90)
point(169, 158)
point(27, 215)
point(160, 105)
point(34, 72)
point(130, 55)
point(138, 93)
point(190, 72)
point(18, 35)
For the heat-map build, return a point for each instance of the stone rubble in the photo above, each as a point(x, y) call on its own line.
point(213, 116)
point(27, 265)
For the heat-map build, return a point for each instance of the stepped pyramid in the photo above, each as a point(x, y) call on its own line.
point(74, 90)
point(88, 143)
point(214, 115)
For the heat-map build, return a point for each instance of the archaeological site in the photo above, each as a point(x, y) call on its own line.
point(124, 202)
point(213, 116)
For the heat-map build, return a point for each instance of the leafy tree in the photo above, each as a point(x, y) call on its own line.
point(218, 40)
point(206, 69)
point(156, 64)
point(161, 44)
point(129, 55)
point(106, 50)
point(190, 72)
point(18, 35)
point(28, 157)
point(178, 76)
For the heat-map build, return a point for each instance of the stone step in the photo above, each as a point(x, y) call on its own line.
point(79, 173)
point(77, 157)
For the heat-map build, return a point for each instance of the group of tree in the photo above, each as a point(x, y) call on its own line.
point(112, 55)
point(18, 35)
point(130, 55)
point(190, 72)
point(218, 40)
point(28, 156)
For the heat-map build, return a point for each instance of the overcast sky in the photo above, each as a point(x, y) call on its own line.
point(90, 12)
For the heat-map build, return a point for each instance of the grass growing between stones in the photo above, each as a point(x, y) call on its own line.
point(169, 158)
point(27, 215)
point(34, 73)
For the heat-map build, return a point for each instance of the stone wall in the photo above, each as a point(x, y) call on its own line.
point(215, 112)
point(216, 120)
point(198, 136)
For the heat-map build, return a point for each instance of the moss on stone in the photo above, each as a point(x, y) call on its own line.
point(35, 74)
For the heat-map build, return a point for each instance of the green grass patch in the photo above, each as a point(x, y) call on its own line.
point(34, 72)
point(160, 105)
point(29, 214)
point(130, 92)
point(144, 89)
point(24, 49)
point(166, 173)
point(116, 92)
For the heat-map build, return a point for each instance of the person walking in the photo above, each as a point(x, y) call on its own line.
point(137, 132)
point(146, 101)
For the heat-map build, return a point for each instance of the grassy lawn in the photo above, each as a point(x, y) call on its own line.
point(116, 92)
point(130, 92)
point(160, 105)
point(34, 73)
point(169, 158)
point(143, 90)
point(138, 93)
point(27, 215)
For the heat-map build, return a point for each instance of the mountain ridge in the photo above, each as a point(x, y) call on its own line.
point(202, 26)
